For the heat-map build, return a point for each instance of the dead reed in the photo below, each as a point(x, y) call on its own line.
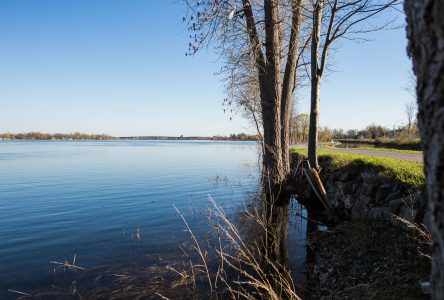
point(242, 269)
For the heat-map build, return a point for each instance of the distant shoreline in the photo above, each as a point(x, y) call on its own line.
point(36, 136)
point(192, 138)
point(131, 139)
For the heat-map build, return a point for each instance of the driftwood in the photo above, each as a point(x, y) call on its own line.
point(316, 184)
point(18, 292)
point(322, 190)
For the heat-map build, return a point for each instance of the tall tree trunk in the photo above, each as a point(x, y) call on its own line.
point(271, 97)
point(269, 82)
point(314, 123)
point(274, 173)
point(273, 166)
point(315, 85)
point(274, 170)
point(289, 82)
point(425, 30)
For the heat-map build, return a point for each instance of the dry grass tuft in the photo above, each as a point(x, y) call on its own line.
point(241, 270)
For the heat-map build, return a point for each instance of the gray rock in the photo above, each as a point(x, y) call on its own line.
point(395, 206)
point(360, 207)
point(385, 186)
point(357, 188)
point(407, 213)
point(334, 199)
point(368, 188)
point(396, 187)
point(394, 195)
point(381, 193)
point(346, 176)
point(323, 277)
point(379, 212)
point(332, 190)
point(420, 200)
point(367, 176)
point(348, 188)
point(348, 202)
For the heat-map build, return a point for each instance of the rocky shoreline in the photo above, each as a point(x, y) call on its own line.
point(379, 248)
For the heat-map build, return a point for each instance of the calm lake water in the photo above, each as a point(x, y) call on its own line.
point(90, 198)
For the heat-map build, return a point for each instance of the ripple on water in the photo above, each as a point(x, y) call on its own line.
point(89, 198)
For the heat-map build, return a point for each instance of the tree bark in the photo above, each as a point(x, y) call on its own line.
point(315, 86)
point(289, 82)
point(271, 97)
point(269, 79)
point(275, 203)
point(425, 31)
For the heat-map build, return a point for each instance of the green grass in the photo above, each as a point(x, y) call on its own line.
point(390, 150)
point(394, 170)
point(378, 149)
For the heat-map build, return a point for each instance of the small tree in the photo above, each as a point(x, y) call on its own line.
point(352, 133)
point(410, 110)
point(334, 20)
point(375, 131)
point(301, 123)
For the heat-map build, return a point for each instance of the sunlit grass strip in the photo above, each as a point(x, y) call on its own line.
point(394, 170)
point(377, 149)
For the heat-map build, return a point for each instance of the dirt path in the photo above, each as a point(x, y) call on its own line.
point(416, 157)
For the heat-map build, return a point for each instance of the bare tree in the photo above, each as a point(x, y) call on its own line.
point(260, 43)
point(334, 20)
point(301, 123)
point(425, 31)
point(243, 95)
point(352, 133)
point(411, 85)
point(410, 110)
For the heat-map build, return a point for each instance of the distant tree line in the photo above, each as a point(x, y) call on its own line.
point(238, 137)
point(374, 131)
point(231, 137)
point(84, 136)
point(404, 133)
point(56, 136)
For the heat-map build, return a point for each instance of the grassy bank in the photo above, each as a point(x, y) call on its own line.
point(378, 149)
point(369, 255)
point(394, 170)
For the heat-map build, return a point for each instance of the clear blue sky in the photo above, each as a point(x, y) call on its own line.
point(118, 67)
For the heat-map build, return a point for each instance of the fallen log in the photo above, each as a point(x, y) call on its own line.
point(316, 184)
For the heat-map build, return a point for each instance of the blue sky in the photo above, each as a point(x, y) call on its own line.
point(118, 67)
